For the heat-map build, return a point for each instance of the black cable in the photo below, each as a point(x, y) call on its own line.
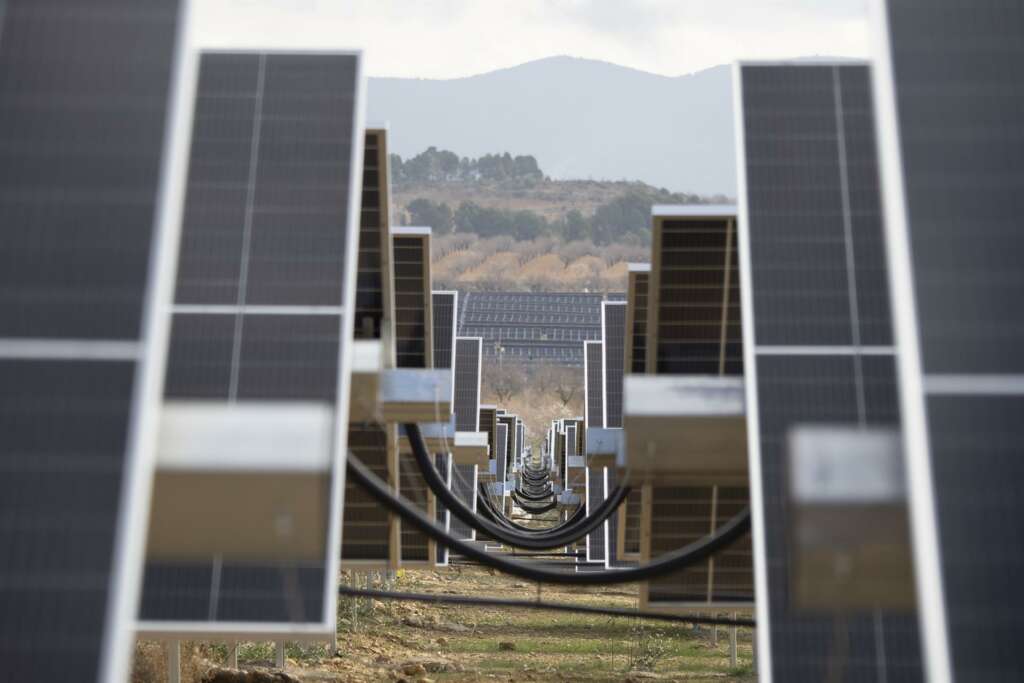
point(686, 556)
point(488, 511)
point(535, 510)
point(534, 604)
point(539, 541)
point(534, 498)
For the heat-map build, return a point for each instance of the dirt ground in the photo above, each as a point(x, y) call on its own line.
point(405, 641)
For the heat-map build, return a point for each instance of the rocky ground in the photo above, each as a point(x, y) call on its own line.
point(396, 641)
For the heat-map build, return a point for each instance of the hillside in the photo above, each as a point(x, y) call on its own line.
point(581, 118)
point(467, 262)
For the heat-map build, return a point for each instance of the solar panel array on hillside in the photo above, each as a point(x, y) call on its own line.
point(817, 330)
point(533, 327)
point(77, 330)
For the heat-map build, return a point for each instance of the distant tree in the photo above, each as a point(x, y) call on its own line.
point(438, 216)
point(574, 226)
point(505, 381)
point(566, 385)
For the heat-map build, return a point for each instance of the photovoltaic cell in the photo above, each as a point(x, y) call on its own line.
point(814, 260)
point(613, 332)
point(258, 311)
point(950, 88)
point(84, 105)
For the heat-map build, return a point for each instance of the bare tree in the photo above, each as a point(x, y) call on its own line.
point(566, 384)
point(505, 381)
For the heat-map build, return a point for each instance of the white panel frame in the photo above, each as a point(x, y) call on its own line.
point(931, 600)
point(758, 531)
point(125, 581)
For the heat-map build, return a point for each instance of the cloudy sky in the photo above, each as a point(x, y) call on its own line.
point(454, 38)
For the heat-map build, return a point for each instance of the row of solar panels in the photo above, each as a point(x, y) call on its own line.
point(500, 335)
point(839, 353)
point(204, 307)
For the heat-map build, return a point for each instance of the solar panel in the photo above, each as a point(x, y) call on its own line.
point(629, 525)
point(949, 95)
point(256, 354)
point(509, 421)
point(613, 332)
point(489, 424)
point(90, 108)
point(595, 492)
point(445, 314)
point(414, 339)
point(636, 318)
point(501, 456)
point(466, 403)
point(817, 341)
point(593, 388)
point(366, 526)
point(442, 515)
point(695, 310)
point(374, 296)
point(416, 548)
point(464, 482)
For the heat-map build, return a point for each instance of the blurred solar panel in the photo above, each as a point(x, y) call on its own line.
point(413, 329)
point(950, 90)
point(87, 98)
point(266, 278)
point(466, 403)
point(613, 332)
point(817, 337)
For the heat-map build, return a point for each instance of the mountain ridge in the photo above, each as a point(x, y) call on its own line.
point(583, 119)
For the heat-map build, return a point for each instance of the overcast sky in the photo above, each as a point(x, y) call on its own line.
point(454, 38)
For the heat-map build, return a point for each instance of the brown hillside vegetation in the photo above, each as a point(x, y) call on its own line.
point(552, 199)
point(466, 262)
